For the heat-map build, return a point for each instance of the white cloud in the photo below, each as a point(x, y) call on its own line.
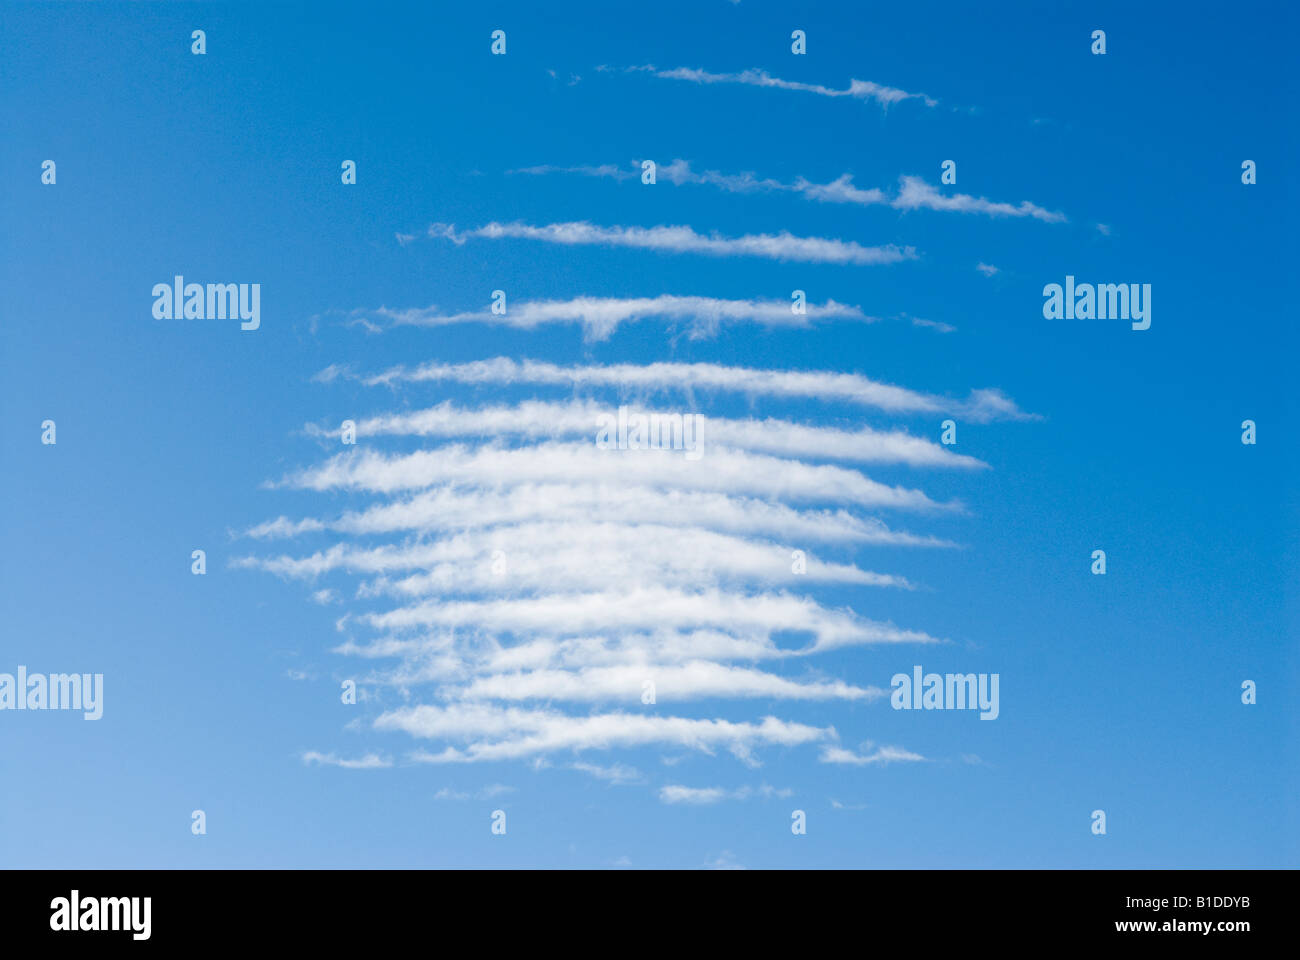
point(725, 860)
point(857, 89)
point(371, 761)
point(695, 679)
point(620, 567)
point(683, 239)
point(451, 508)
point(535, 419)
point(330, 373)
point(648, 607)
point(690, 663)
point(720, 470)
point(611, 171)
point(914, 193)
point(982, 405)
point(840, 190)
point(550, 556)
point(675, 793)
point(495, 733)
point(616, 774)
point(599, 317)
point(883, 755)
point(934, 325)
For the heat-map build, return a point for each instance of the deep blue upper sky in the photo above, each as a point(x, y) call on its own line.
point(1119, 692)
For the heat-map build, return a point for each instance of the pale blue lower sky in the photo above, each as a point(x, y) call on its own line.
point(1119, 692)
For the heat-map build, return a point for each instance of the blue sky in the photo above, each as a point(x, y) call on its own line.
point(1118, 692)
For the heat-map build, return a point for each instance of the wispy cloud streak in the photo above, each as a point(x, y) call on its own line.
point(541, 420)
point(783, 246)
point(981, 406)
point(856, 90)
point(599, 317)
point(729, 471)
point(452, 508)
point(522, 589)
point(914, 193)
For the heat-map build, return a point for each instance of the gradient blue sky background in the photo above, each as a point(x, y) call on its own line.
point(1118, 692)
